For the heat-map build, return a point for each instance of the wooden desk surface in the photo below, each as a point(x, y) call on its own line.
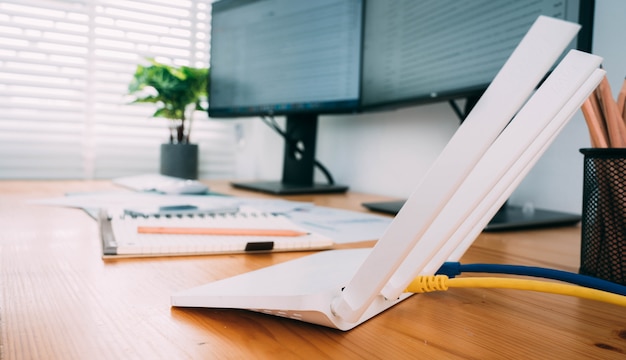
point(60, 300)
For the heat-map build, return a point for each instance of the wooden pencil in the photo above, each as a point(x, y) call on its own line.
point(217, 231)
point(595, 125)
point(621, 100)
point(597, 110)
point(614, 122)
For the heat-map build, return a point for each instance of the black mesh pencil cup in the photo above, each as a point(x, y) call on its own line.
point(603, 243)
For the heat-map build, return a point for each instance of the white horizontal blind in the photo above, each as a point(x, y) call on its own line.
point(64, 70)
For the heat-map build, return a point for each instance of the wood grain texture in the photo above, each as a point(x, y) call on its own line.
point(60, 300)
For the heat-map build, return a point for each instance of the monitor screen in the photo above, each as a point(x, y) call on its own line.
point(281, 57)
point(433, 50)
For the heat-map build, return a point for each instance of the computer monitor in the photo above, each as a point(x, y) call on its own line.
point(298, 59)
point(425, 51)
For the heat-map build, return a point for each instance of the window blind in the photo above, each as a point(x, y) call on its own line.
point(64, 70)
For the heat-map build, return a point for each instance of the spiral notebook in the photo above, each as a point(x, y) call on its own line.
point(185, 233)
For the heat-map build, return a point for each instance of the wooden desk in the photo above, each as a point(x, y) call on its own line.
point(60, 300)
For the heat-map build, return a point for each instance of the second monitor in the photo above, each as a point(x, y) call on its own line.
point(427, 51)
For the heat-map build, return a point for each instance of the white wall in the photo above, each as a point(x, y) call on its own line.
point(386, 153)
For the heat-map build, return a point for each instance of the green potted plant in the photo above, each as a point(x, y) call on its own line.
point(177, 92)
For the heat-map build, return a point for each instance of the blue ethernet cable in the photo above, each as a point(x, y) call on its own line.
point(452, 269)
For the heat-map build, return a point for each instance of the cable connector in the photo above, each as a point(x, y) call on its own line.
point(424, 284)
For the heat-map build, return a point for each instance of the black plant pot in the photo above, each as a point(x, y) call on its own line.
point(179, 160)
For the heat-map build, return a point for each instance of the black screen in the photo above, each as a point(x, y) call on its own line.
point(285, 57)
point(432, 50)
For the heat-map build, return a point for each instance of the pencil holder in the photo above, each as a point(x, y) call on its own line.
point(603, 242)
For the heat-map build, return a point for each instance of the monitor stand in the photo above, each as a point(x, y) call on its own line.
point(298, 162)
point(280, 188)
point(509, 217)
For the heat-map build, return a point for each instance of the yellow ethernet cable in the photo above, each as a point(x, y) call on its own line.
point(422, 284)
